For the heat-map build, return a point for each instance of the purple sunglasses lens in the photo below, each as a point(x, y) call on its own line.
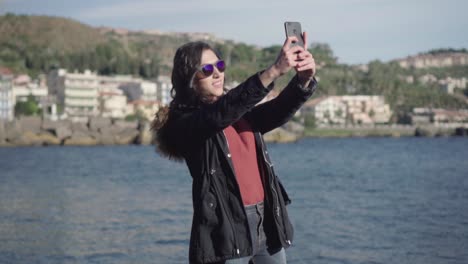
point(220, 65)
point(208, 69)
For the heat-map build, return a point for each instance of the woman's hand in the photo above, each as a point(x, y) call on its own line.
point(305, 66)
point(289, 57)
point(286, 60)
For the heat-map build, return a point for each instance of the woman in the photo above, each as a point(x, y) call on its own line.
point(239, 203)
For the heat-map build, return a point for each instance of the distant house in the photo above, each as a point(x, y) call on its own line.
point(7, 98)
point(427, 78)
point(434, 60)
point(76, 92)
point(421, 116)
point(449, 84)
point(327, 110)
point(359, 109)
point(23, 87)
point(164, 89)
point(113, 104)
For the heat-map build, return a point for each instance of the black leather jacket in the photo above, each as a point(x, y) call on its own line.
point(220, 229)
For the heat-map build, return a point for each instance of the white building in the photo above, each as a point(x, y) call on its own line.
point(427, 78)
point(150, 91)
point(434, 60)
point(359, 109)
point(449, 84)
point(164, 89)
point(112, 101)
point(327, 110)
point(22, 90)
point(367, 109)
point(81, 94)
point(7, 99)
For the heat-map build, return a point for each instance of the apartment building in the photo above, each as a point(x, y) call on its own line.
point(434, 60)
point(23, 87)
point(449, 84)
point(112, 101)
point(359, 109)
point(327, 110)
point(164, 89)
point(7, 98)
point(438, 116)
point(76, 92)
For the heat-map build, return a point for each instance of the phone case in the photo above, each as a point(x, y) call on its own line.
point(294, 29)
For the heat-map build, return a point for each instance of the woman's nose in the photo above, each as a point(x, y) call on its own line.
point(216, 73)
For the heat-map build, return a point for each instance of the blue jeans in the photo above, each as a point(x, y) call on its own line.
point(261, 253)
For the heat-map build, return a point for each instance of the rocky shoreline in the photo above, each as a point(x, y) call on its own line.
point(33, 131)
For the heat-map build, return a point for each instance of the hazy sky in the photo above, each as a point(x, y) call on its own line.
point(358, 31)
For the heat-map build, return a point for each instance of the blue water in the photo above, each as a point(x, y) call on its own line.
point(369, 200)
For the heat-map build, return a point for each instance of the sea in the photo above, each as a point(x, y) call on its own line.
point(354, 200)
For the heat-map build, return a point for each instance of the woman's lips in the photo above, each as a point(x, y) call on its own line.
point(218, 84)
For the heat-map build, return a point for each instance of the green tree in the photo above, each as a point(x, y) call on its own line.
point(27, 108)
point(310, 121)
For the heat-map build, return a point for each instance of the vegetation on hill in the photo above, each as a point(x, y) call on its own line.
point(37, 44)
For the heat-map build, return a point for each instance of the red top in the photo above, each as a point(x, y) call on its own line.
point(243, 153)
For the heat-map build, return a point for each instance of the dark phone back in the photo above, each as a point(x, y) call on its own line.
point(294, 29)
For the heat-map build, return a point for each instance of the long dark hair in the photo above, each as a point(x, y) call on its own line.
point(187, 60)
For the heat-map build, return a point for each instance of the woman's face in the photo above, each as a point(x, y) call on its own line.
point(211, 87)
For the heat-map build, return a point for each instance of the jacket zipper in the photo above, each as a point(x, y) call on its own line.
point(226, 211)
point(277, 208)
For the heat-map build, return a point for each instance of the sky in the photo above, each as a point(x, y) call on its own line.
point(358, 31)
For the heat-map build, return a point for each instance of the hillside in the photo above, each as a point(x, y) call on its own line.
point(37, 44)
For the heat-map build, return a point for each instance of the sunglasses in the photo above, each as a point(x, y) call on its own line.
point(208, 69)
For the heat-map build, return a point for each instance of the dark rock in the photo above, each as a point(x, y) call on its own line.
point(27, 138)
point(127, 136)
point(461, 131)
point(49, 124)
point(2, 131)
point(4, 143)
point(280, 135)
point(95, 123)
point(30, 123)
point(422, 132)
point(21, 140)
point(80, 140)
point(63, 132)
point(106, 136)
point(294, 127)
point(79, 126)
point(45, 138)
point(145, 136)
point(12, 130)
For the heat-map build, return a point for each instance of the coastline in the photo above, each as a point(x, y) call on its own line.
point(33, 131)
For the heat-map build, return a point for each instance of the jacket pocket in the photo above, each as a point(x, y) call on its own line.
point(209, 205)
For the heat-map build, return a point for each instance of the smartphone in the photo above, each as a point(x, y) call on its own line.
point(294, 29)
